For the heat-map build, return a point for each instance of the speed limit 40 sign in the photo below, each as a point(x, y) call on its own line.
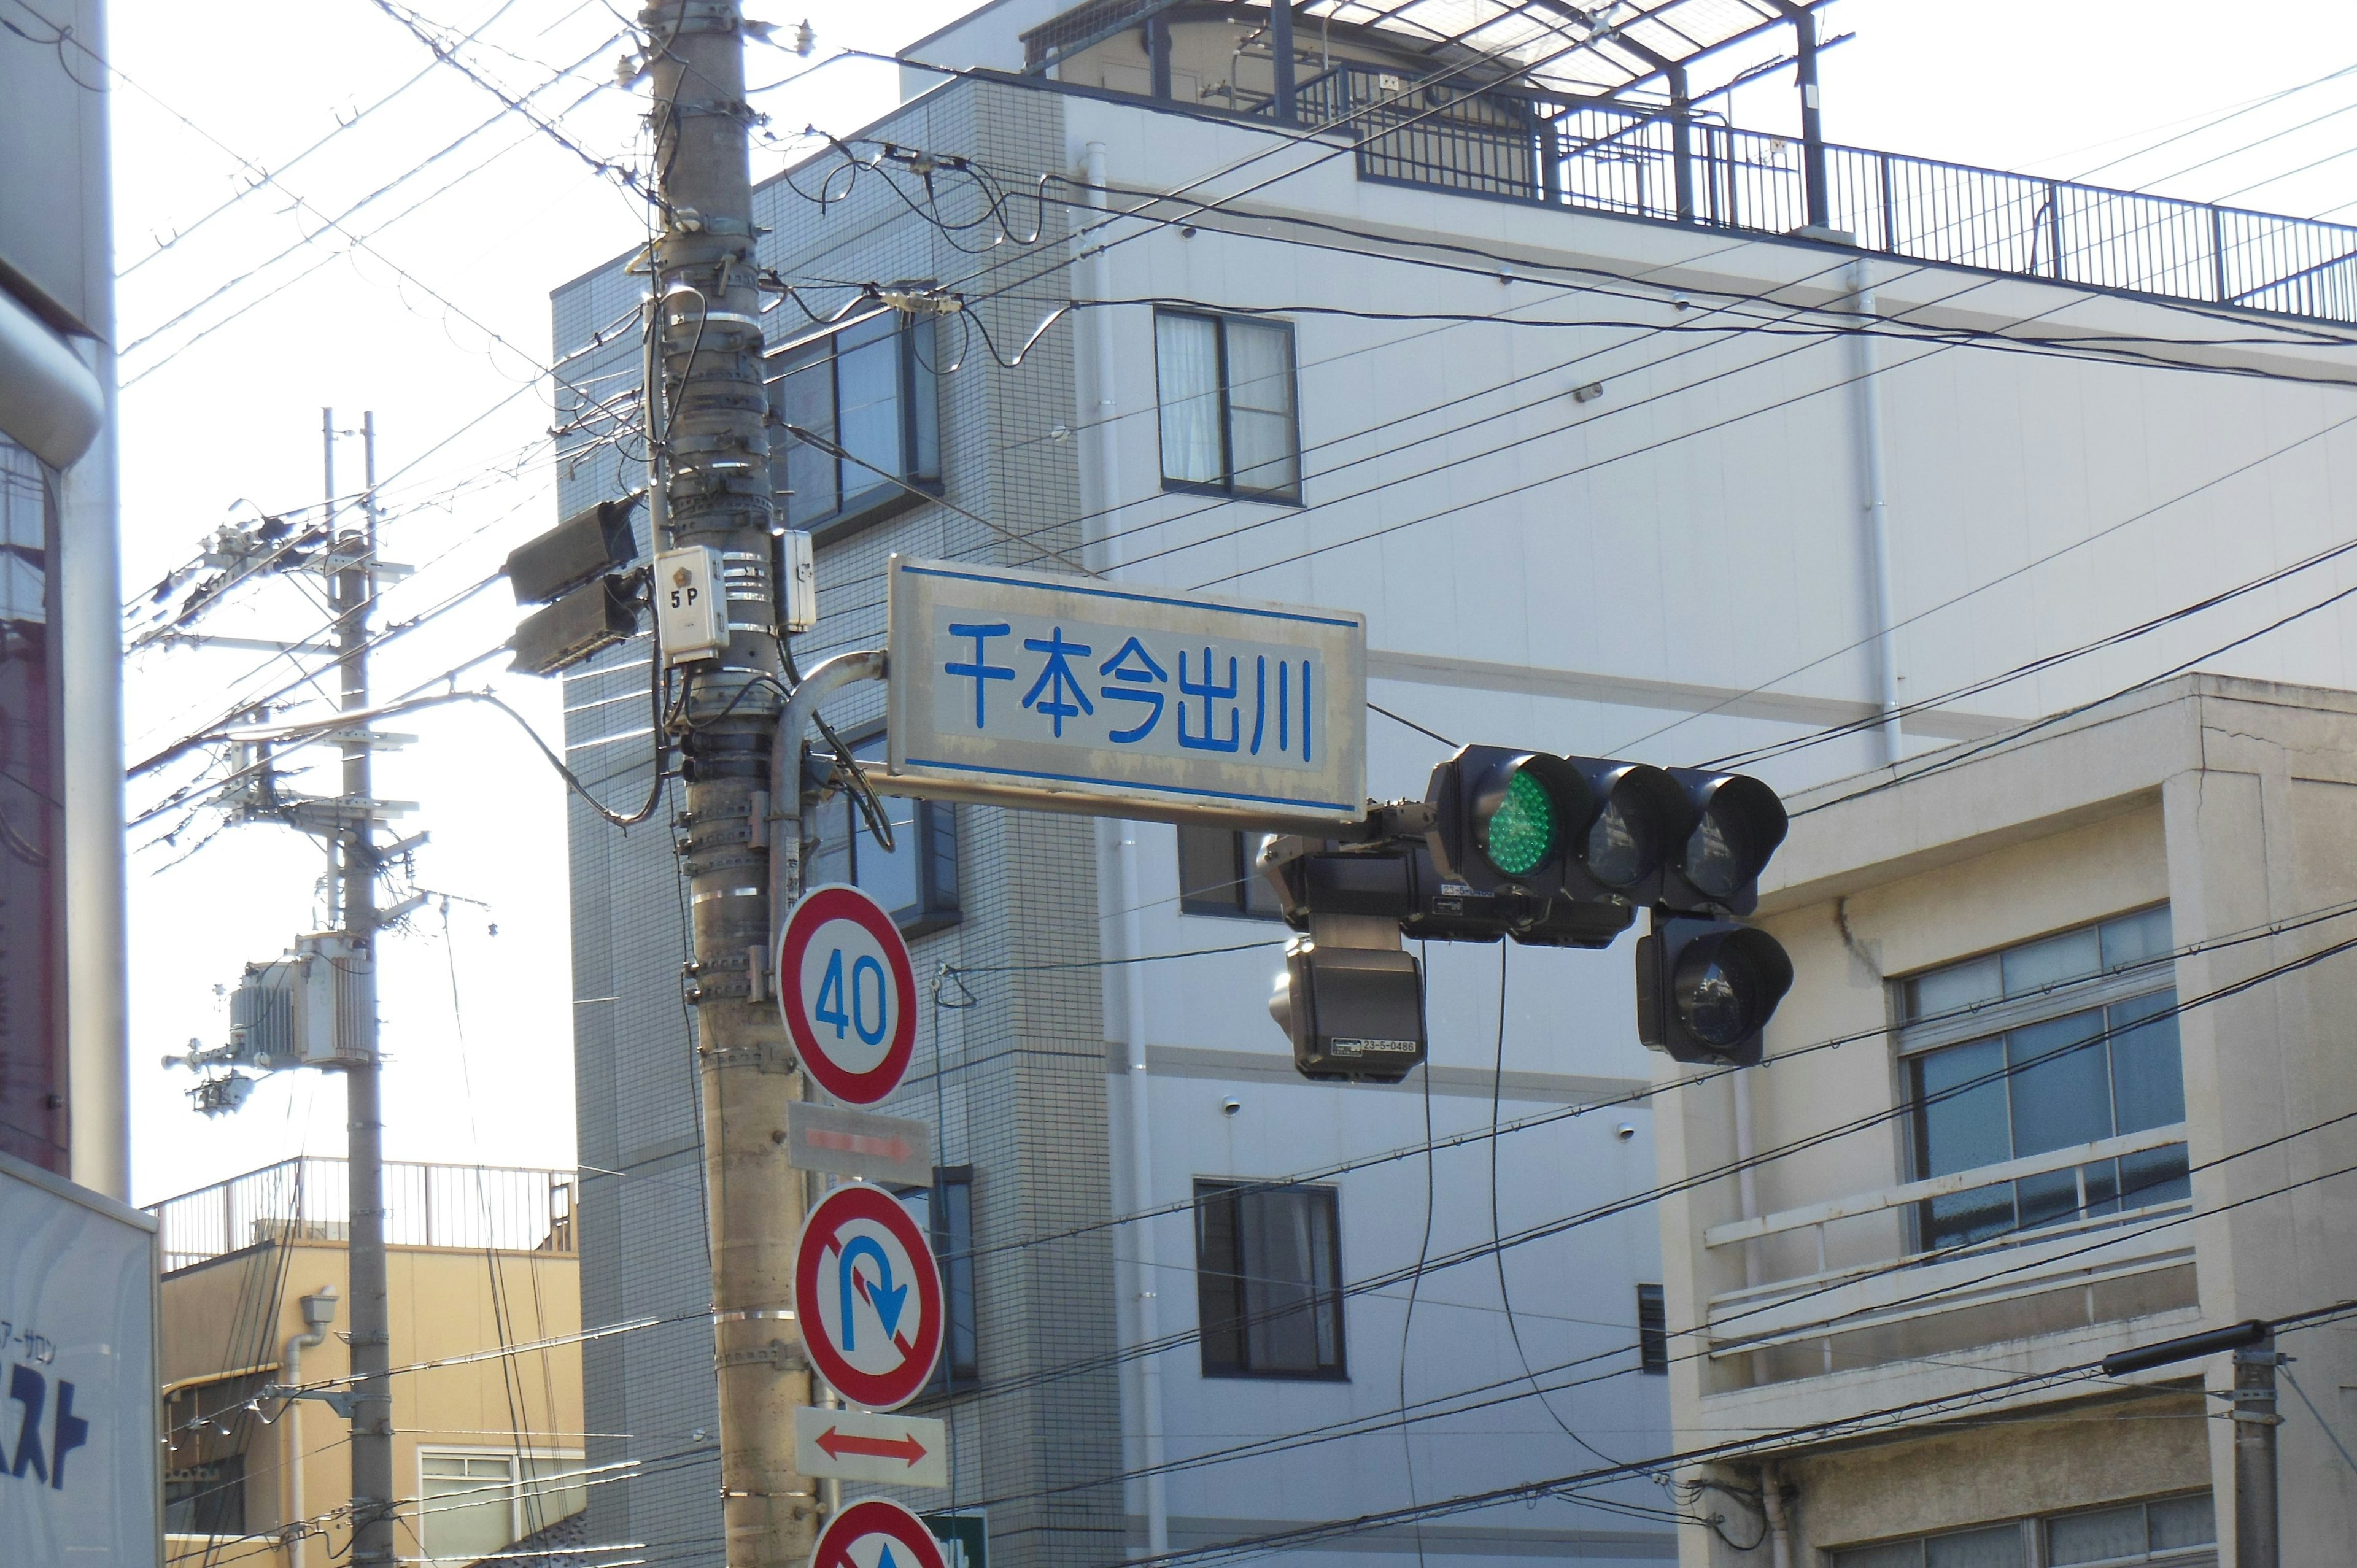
point(848, 993)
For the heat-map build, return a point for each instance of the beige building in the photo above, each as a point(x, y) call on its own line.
point(488, 1452)
point(2008, 1124)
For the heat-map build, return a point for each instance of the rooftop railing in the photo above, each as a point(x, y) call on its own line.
point(501, 1208)
point(1525, 146)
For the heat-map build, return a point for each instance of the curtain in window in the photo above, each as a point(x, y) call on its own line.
point(1187, 371)
point(1260, 407)
point(466, 1505)
point(1289, 1253)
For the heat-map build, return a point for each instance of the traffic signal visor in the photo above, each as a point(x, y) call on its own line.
point(1705, 989)
point(1737, 823)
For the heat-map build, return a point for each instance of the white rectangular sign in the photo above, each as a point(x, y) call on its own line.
point(78, 1404)
point(891, 1150)
point(855, 1445)
point(1067, 694)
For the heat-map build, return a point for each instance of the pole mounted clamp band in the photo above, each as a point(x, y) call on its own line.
point(778, 1353)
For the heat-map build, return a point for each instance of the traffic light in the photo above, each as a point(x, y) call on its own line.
point(1705, 989)
point(1737, 823)
point(577, 570)
point(1355, 1014)
point(1529, 823)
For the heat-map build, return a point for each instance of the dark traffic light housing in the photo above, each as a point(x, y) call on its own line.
point(579, 572)
point(1705, 989)
point(1737, 822)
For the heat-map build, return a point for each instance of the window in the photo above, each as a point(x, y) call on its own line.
point(2046, 1046)
point(868, 391)
point(1269, 1271)
point(2179, 1531)
point(470, 1504)
point(1219, 874)
point(207, 1499)
point(465, 1504)
point(945, 1211)
point(1653, 1331)
point(1225, 385)
point(916, 878)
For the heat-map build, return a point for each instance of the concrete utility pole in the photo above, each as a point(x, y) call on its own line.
point(355, 593)
point(705, 414)
point(2257, 1541)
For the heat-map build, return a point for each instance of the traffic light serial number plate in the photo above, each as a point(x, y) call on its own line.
point(1014, 685)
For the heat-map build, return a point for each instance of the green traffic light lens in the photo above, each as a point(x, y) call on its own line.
point(1520, 834)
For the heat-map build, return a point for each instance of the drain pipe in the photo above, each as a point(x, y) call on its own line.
point(318, 1311)
point(1772, 1503)
point(1877, 513)
point(1129, 889)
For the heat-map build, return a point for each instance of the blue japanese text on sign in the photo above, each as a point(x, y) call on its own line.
point(1028, 682)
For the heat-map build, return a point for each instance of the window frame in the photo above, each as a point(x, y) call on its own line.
point(1994, 1020)
point(940, 898)
point(521, 1481)
point(1653, 1331)
point(1226, 485)
point(918, 394)
point(949, 1377)
point(2036, 1535)
point(1246, 896)
point(1233, 1311)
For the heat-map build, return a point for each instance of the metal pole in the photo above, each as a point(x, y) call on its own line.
point(2257, 1541)
point(1682, 141)
point(374, 1495)
point(1813, 129)
point(715, 493)
point(1280, 43)
point(1146, 1276)
point(1878, 515)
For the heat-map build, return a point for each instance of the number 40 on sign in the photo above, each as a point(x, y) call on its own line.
point(848, 994)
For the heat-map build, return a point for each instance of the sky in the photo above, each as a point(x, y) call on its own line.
point(398, 261)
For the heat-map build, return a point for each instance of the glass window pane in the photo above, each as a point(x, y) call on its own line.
point(1944, 991)
point(1891, 1554)
point(1210, 880)
point(466, 1506)
point(1259, 894)
point(2033, 966)
point(1260, 407)
point(2183, 1521)
point(868, 397)
point(892, 877)
point(1961, 1218)
point(2136, 939)
point(924, 399)
point(555, 1488)
point(952, 1233)
point(2148, 1078)
point(2103, 1180)
point(1187, 375)
point(1287, 1254)
point(1958, 1129)
point(1999, 1547)
point(2157, 1176)
point(803, 395)
point(2096, 1537)
point(2060, 1085)
point(1216, 1285)
point(832, 861)
point(2049, 1199)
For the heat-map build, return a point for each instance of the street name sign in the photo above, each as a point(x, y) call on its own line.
point(847, 993)
point(869, 1298)
point(892, 1150)
point(873, 1534)
point(1066, 694)
point(853, 1445)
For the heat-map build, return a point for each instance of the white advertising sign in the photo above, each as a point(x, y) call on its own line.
point(78, 1395)
point(1071, 693)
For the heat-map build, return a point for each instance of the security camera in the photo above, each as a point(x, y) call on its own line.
point(1230, 1107)
point(1627, 1131)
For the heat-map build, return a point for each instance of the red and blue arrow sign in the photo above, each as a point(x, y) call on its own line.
point(877, 1534)
point(869, 1298)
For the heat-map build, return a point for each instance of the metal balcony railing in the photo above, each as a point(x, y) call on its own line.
point(1526, 146)
point(502, 1208)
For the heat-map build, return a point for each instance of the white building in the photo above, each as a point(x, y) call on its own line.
point(1604, 456)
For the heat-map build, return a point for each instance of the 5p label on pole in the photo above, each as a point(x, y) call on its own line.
point(848, 993)
point(869, 1297)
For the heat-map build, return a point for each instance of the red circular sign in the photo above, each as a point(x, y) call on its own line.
point(848, 993)
point(868, 1297)
point(877, 1534)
